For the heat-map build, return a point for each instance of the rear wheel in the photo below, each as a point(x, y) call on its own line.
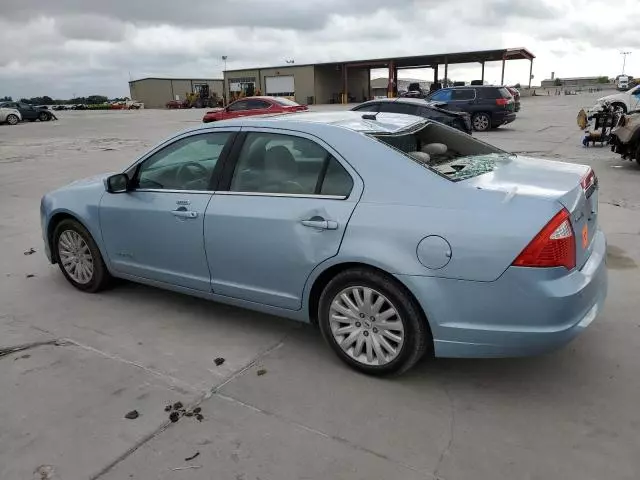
point(79, 258)
point(372, 323)
point(12, 119)
point(619, 107)
point(43, 116)
point(481, 122)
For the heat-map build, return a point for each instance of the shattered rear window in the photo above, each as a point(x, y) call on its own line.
point(446, 151)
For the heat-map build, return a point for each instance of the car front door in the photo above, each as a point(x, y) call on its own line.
point(27, 111)
point(258, 107)
point(236, 109)
point(283, 209)
point(155, 230)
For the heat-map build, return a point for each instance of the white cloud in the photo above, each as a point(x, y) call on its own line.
point(85, 47)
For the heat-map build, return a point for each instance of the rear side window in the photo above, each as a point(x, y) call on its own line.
point(398, 107)
point(493, 93)
point(257, 104)
point(463, 94)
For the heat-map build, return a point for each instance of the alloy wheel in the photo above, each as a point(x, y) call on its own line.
point(481, 123)
point(366, 325)
point(75, 256)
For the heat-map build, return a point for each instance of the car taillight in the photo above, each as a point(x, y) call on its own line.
point(502, 102)
point(554, 246)
point(589, 182)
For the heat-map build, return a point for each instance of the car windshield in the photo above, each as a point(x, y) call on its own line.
point(450, 153)
point(285, 102)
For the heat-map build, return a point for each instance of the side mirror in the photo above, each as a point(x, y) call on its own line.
point(118, 183)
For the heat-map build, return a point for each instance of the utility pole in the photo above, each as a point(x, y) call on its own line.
point(624, 60)
point(224, 81)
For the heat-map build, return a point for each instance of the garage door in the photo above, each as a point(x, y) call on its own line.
point(281, 86)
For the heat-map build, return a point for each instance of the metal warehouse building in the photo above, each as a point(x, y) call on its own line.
point(349, 81)
point(156, 92)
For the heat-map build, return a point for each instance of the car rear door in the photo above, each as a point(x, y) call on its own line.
point(462, 99)
point(282, 209)
point(258, 107)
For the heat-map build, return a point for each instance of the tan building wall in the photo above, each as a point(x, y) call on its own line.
point(156, 92)
point(303, 79)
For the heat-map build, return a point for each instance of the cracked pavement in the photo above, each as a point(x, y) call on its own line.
point(72, 365)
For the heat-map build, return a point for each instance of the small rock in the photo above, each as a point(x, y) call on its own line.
point(199, 417)
point(197, 410)
point(174, 417)
point(167, 408)
point(132, 415)
point(30, 275)
point(218, 361)
point(177, 405)
point(139, 343)
point(261, 372)
point(31, 251)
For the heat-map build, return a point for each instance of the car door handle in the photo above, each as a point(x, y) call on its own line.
point(185, 213)
point(321, 224)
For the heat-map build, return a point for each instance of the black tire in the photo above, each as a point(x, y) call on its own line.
point(12, 119)
point(101, 278)
point(481, 122)
point(43, 116)
point(619, 106)
point(418, 339)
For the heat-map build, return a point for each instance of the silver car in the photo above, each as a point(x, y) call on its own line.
point(397, 235)
point(10, 116)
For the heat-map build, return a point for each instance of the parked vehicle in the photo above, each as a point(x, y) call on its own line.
point(624, 101)
point(398, 236)
point(625, 137)
point(419, 107)
point(623, 83)
point(254, 106)
point(515, 93)
point(489, 106)
point(10, 116)
point(29, 112)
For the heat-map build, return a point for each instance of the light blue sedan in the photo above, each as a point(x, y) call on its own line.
point(398, 236)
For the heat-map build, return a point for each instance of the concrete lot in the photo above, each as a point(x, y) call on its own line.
point(90, 359)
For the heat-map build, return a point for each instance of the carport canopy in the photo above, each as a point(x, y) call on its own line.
point(446, 59)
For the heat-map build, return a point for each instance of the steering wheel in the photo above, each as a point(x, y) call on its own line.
point(185, 175)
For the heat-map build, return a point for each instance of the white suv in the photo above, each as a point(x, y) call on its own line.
point(626, 101)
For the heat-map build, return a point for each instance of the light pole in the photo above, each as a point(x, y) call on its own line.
point(224, 90)
point(624, 60)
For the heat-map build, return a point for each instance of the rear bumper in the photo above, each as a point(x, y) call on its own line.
point(502, 118)
point(526, 311)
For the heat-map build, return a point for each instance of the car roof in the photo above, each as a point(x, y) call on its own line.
point(417, 101)
point(386, 123)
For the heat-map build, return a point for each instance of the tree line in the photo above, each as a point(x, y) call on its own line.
point(46, 100)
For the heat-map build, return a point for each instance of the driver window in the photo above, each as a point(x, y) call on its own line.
point(186, 164)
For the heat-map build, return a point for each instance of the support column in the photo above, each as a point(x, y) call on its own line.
point(502, 77)
point(369, 84)
point(344, 95)
point(435, 74)
point(395, 80)
point(446, 71)
point(482, 78)
point(391, 75)
point(530, 73)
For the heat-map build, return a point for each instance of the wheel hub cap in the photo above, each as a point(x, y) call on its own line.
point(366, 325)
point(75, 256)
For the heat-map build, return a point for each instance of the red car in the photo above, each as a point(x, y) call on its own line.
point(254, 106)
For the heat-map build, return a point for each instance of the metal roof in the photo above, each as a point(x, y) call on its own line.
point(179, 79)
point(422, 60)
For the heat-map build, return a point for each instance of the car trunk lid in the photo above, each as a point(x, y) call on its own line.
point(574, 187)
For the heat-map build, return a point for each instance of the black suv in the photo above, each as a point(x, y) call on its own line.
point(420, 108)
point(489, 106)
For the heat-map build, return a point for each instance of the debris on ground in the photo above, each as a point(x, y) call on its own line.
point(188, 459)
point(179, 410)
point(132, 415)
point(177, 405)
point(197, 410)
point(188, 414)
point(174, 417)
point(218, 361)
point(44, 472)
point(30, 275)
point(168, 408)
point(261, 372)
point(22, 356)
point(186, 468)
point(31, 251)
point(199, 417)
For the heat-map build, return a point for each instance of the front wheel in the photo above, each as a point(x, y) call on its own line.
point(619, 107)
point(79, 258)
point(12, 119)
point(372, 323)
point(481, 122)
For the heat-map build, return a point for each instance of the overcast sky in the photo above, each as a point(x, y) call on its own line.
point(83, 47)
